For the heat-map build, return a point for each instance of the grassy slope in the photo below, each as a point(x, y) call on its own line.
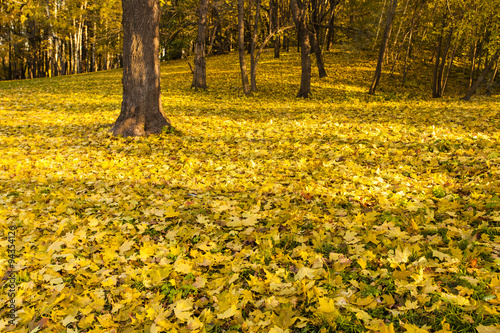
point(345, 210)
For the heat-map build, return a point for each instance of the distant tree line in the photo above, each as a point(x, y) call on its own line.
point(43, 38)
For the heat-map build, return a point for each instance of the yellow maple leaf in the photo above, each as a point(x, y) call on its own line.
point(68, 320)
point(228, 313)
point(414, 329)
point(183, 309)
point(488, 329)
point(183, 266)
point(327, 305)
point(305, 272)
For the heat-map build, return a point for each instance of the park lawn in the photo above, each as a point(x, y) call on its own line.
point(343, 212)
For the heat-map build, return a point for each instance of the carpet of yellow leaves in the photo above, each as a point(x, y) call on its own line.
point(344, 212)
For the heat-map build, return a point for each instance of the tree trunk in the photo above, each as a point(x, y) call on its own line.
point(439, 65)
point(141, 112)
point(452, 58)
point(314, 37)
point(330, 35)
point(399, 31)
point(241, 47)
point(378, 26)
point(253, 62)
point(481, 77)
point(10, 55)
point(473, 61)
point(298, 9)
point(94, 37)
point(492, 80)
point(414, 22)
point(214, 34)
point(274, 25)
point(383, 45)
point(199, 75)
point(319, 58)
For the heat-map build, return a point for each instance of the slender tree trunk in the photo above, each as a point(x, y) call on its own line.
point(383, 44)
point(481, 77)
point(473, 61)
point(452, 58)
point(214, 33)
point(319, 58)
point(199, 75)
point(379, 25)
point(274, 25)
point(435, 74)
point(314, 38)
point(253, 62)
point(414, 22)
point(298, 9)
point(85, 48)
point(286, 43)
point(490, 83)
point(399, 31)
point(330, 35)
point(440, 63)
point(241, 47)
point(94, 37)
point(10, 55)
point(141, 112)
point(62, 58)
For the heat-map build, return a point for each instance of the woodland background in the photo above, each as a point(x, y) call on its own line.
point(57, 37)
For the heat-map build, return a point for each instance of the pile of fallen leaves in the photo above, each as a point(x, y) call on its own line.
point(344, 212)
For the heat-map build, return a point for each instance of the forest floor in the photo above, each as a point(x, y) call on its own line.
point(344, 212)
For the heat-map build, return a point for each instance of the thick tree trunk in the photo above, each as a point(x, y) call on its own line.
point(141, 112)
point(383, 45)
point(481, 77)
point(199, 75)
point(298, 10)
point(241, 47)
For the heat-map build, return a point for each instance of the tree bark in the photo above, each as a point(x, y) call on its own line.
point(241, 47)
point(298, 9)
point(274, 25)
point(141, 112)
point(10, 55)
point(330, 35)
point(383, 45)
point(314, 38)
point(253, 62)
point(378, 26)
point(439, 65)
point(492, 80)
point(481, 77)
point(319, 58)
point(199, 75)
